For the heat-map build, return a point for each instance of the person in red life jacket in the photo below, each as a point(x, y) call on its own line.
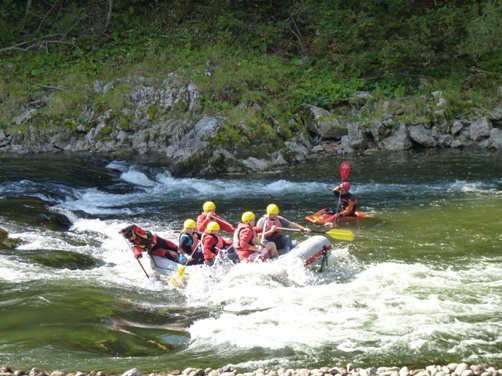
point(188, 245)
point(245, 240)
point(209, 215)
point(272, 223)
point(146, 241)
point(348, 202)
point(213, 244)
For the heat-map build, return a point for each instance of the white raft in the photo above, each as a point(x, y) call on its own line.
point(313, 252)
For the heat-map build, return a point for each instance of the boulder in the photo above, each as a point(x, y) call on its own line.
point(323, 123)
point(399, 140)
point(422, 136)
point(480, 128)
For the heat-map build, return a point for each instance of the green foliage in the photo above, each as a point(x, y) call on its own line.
point(10, 12)
point(253, 61)
point(115, 98)
point(322, 88)
point(484, 38)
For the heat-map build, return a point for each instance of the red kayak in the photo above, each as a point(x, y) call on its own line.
point(324, 216)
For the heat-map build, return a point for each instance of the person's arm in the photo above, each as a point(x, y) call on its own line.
point(208, 244)
point(289, 224)
point(244, 237)
point(336, 191)
point(348, 210)
point(268, 230)
point(137, 252)
point(181, 248)
point(257, 247)
point(224, 225)
point(203, 220)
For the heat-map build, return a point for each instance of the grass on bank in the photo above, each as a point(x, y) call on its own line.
point(231, 81)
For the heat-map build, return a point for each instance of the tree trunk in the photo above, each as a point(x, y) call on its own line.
point(109, 15)
point(28, 6)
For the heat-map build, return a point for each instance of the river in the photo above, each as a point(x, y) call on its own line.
point(420, 284)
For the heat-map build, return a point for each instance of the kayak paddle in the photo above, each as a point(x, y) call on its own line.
point(344, 170)
point(337, 234)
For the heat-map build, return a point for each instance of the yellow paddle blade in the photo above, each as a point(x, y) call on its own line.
point(177, 278)
point(338, 234)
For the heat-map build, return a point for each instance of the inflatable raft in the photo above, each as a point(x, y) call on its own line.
point(313, 252)
point(325, 215)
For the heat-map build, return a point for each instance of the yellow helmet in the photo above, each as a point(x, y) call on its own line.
point(272, 209)
point(189, 223)
point(208, 205)
point(212, 226)
point(247, 216)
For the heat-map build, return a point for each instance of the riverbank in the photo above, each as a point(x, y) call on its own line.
point(196, 144)
point(452, 369)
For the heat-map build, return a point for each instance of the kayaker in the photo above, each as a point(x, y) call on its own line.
point(245, 240)
point(272, 223)
point(213, 244)
point(347, 201)
point(209, 215)
point(146, 241)
point(188, 244)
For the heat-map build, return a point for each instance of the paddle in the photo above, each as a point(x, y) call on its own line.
point(344, 174)
point(346, 235)
point(221, 220)
point(152, 281)
point(177, 277)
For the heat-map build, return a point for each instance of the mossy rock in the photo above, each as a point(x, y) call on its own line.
point(5, 241)
point(34, 212)
point(63, 259)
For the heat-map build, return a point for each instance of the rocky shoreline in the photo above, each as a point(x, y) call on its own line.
point(452, 369)
point(162, 119)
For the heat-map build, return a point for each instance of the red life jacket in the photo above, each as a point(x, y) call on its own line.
point(268, 223)
point(244, 253)
point(144, 240)
point(210, 245)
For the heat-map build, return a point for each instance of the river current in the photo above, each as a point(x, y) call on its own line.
point(420, 284)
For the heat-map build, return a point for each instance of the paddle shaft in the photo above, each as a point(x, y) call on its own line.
point(139, 262)
point(300, 230)
point(346, 235)
point(221, 220)
point(344, 174)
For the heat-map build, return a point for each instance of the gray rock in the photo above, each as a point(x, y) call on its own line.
point(357, 136)
point(496, 138)
point(457, 127)
point(422, 136)
point(461, 367)
point(439, 98)
point(254, 164)
point(400, 140)
point(132, 372)
point(322, 122)
point(480, 128)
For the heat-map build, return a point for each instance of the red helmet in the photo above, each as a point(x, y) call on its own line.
point(346, 185)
